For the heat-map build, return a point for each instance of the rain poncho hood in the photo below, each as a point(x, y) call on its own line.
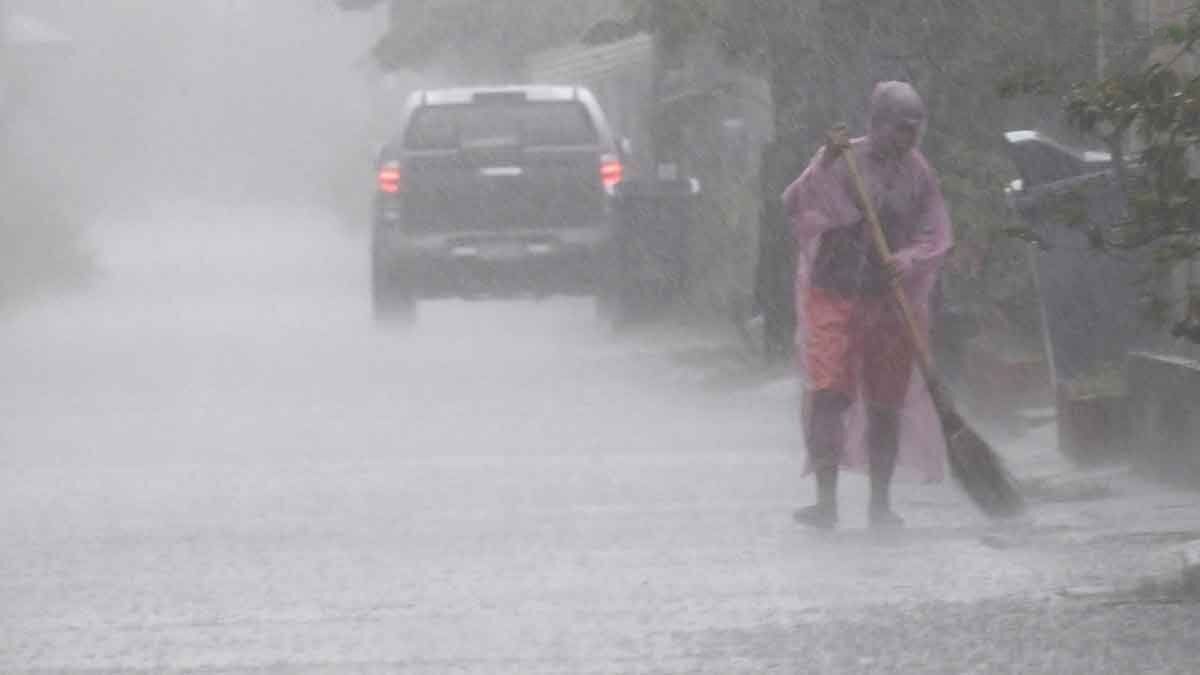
point(908, 198)
point(893, 104)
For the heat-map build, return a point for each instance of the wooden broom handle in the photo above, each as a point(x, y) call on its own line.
point(840, 140)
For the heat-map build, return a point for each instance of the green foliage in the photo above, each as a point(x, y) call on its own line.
point(741, 27)
point(1154, 111)
point(1030, 79)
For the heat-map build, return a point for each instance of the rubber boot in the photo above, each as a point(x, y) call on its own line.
point(883, 438)
point(824, 440)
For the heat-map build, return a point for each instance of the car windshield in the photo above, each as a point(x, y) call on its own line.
point(520, 123)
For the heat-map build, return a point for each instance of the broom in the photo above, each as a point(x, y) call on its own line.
point(973, 462)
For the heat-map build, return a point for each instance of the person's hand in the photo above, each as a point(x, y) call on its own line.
point(837, 140)
point(897, 268)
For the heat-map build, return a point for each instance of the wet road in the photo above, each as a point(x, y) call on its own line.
point(213, 461)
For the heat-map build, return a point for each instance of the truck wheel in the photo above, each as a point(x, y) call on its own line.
point(390, 301)
point(611, 308)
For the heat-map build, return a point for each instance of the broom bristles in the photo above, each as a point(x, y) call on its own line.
point(982, 475)
point(974, 464)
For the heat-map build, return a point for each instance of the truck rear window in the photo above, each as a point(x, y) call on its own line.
point(520, 123)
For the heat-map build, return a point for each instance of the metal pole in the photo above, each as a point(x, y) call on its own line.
point(1031, 256)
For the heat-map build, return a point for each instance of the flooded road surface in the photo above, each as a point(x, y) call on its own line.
point(214, 461)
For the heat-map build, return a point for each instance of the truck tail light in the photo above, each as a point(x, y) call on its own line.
point(391, 178)
point(611, 172)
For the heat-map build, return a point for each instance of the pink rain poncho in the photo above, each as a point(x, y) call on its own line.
point(823, 204)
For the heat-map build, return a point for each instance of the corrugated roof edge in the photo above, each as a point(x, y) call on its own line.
point(586, 60)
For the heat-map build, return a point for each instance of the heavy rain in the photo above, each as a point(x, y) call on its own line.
point(599, 336)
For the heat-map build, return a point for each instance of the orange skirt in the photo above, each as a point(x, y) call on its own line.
point(857, 345)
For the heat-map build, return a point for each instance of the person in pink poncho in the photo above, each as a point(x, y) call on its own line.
point(866, 404)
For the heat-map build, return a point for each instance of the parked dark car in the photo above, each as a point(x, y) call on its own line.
point(1087, 297)
point(495, 192)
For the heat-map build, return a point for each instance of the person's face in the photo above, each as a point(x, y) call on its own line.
point(904, 136)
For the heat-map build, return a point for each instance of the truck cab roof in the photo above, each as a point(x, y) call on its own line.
point(463, 95)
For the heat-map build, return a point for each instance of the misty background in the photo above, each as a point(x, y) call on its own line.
point(215, 459)
point(135, 110)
